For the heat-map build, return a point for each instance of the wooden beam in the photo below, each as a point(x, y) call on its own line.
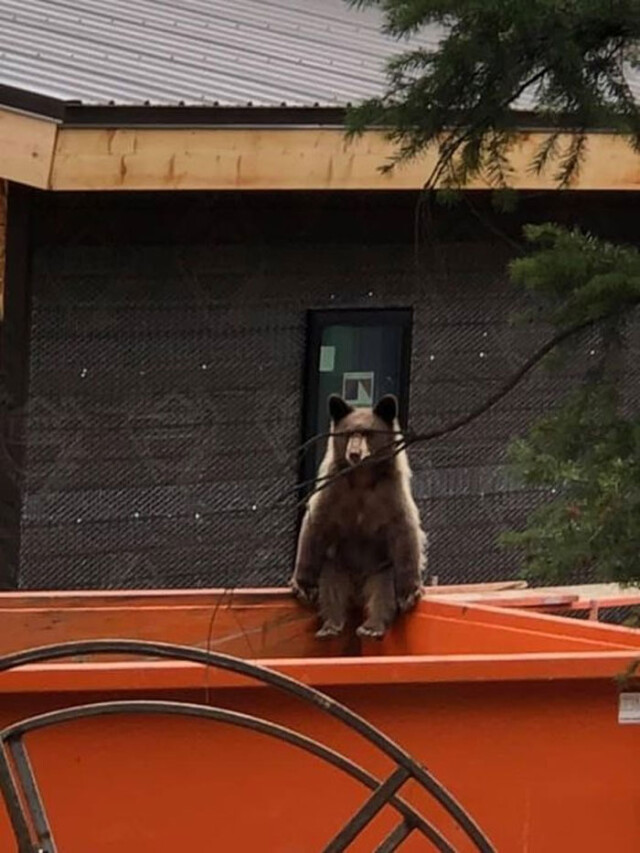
point(40, 153)
point(288, 159)
point(27, 145)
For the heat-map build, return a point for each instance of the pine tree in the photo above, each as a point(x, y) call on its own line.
point(571, 59)
point(586, 454)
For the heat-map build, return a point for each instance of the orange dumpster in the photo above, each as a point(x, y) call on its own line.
point(502, 729)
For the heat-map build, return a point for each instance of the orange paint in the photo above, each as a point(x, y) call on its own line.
point(515, 712)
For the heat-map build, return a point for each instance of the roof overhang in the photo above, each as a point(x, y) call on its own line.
point(65, 146)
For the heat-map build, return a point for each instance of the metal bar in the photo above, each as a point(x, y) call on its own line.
point(275, 679)
point(224, 715)
point(46, 843)
point(394, 839)
point(13, 803)
point(378, 800)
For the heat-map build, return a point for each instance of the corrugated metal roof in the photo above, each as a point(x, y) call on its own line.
point(199, 52)
point(196, 52)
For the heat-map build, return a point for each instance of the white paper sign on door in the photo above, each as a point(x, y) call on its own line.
point(357, 388)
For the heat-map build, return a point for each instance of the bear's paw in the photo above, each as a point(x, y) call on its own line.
point(407, 600)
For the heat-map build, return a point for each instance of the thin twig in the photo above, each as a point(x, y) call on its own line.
point(212, 620)
point(243, 631)
point(300, 486)
point(314, 438)
point(328, 479)
point(321, 435)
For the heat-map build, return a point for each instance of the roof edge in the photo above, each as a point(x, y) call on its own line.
point(145, 115)
point(32, 103)
point(77, 114)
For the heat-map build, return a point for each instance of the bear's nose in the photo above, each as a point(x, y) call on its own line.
point(354, 457)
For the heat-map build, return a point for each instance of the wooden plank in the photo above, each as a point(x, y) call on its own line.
point(26, 148)
point(289, 159)
point(478, 590)
point(565, 602)
point(578, 597)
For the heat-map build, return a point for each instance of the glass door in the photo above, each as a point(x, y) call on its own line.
point(361, 355)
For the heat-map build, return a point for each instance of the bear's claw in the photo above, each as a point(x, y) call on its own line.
point(305, 595)
point(370, 631)
point(328, 630)
point(409, 600)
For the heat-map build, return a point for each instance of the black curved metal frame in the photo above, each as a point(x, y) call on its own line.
point(26, 810)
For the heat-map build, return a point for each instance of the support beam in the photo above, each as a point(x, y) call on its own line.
point(27, 145)
point(41, 153)
point(289, 159)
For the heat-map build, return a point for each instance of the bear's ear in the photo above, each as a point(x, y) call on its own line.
point(338, 409)
point(387, 409)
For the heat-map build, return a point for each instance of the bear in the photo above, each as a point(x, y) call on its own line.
point(361, 543)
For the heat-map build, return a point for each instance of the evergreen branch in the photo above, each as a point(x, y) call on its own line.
point(457, 94)
point(467, 132)
point(546, 150)
point(571, 160)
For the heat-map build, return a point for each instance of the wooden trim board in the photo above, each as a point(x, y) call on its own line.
point(41, 153)
point(288, 159)
point(27, 147)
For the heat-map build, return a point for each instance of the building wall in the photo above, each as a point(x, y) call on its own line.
point(166, 362)
point(8, 515)
point(3, 240)
point(13, 368)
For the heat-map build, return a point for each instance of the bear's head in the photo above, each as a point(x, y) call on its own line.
point(363, 432)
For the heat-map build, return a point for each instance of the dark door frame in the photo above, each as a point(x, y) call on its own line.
point(317, 321)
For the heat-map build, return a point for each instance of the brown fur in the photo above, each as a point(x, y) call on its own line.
point(361, 542)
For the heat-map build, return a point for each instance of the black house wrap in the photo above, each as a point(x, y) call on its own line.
point(167, 341)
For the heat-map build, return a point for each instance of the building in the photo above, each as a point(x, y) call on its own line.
point(195, 258)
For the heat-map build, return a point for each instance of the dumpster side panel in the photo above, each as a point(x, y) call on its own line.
point(542, 766)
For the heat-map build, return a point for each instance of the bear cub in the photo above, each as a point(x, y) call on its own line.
point(361, 543)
